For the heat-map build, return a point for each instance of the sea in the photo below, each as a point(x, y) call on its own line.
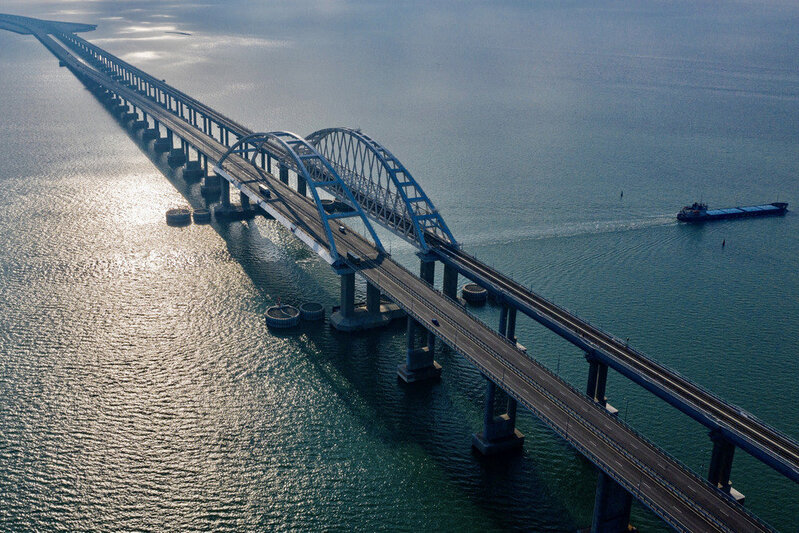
point(140, 388)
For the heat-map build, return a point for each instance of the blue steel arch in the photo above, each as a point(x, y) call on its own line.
point(312, 166)
point(383, 186)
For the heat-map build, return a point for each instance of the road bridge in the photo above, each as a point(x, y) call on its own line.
point(373, 186)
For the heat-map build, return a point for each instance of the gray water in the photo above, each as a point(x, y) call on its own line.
point(140, 387)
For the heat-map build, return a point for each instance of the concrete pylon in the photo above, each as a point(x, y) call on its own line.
point(721, 465)
point(611, 506)
point(420, 364)
point(499, 433)
point(450, 285)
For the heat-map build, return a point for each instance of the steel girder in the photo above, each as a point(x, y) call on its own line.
point(382, 185)
point(310, 165)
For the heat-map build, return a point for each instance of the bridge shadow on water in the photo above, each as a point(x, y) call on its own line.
point(436, 419)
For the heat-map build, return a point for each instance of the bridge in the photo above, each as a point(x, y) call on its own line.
point(312, 185)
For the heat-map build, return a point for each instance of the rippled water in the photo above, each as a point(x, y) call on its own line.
point(140, 387)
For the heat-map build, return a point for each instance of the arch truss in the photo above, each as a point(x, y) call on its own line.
point(382, 186)
point(296, 153)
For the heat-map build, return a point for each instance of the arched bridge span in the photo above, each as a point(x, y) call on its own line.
point(310, 166)
point(382, 185)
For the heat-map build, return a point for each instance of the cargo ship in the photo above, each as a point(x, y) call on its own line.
point(698, 212)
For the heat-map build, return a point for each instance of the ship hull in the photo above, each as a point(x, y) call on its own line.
point(767, 210)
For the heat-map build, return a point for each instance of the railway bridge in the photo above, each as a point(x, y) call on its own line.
point(317, 185)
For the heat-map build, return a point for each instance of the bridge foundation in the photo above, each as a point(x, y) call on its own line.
point(420, 364)
point(611, 506)
point(375, 314)
point(499, 433)
point(211, 187)
point(721, 465)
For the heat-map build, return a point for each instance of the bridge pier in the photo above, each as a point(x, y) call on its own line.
point(284, 173)
point(372, 299)
point(420, 364)
point(374, 314)
point(499, 433)
point(597, 383)
point(721, 465)
point(611, 506)
point(427, 269)
point(302, 187)
point(450, 285)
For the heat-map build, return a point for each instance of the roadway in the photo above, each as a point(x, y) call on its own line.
point(681, 498)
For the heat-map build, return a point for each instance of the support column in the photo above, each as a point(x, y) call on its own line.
point(284, 173)
point(347, 294)
point(419, 362)
point(427, 270)
point(245, 200)
point(597, 383)
point(302, 187)
point(450, 282)
point(503, 320)
point(511, 331)
point(224, 192)
point(611, 506)
point(721, 465)
point(499, 433)
point(372, 298)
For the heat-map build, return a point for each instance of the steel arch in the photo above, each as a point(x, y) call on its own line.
point(312, 166)
point(383, 186)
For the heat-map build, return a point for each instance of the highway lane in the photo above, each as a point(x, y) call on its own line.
point(681, 498)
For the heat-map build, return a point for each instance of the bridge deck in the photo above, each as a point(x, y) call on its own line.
point(681, 498)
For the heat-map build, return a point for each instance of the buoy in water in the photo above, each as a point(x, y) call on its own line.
point(312, 311)
point(282, 316)
point(179, 216)
point(474, 293)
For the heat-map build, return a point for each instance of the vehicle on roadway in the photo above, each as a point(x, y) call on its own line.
point(435, 322)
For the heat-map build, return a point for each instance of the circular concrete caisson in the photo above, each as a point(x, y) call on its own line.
point(329, 205)
point(282, 316)
point(474, 293)
point(179, 216)
point(312, 311)
point(201, 216)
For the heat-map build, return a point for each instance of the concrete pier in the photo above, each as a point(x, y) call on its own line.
point(193, 170)
point(450, 284)
point(499, 433)
point(211, 186)
point(176, 157)
point(721, 465)
point(162, 145)
point(149, 134)
point(283, 173)
point(374, 314)
point(611, 507)
point(597, 383)
point(420, 364)
point(427, 269)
